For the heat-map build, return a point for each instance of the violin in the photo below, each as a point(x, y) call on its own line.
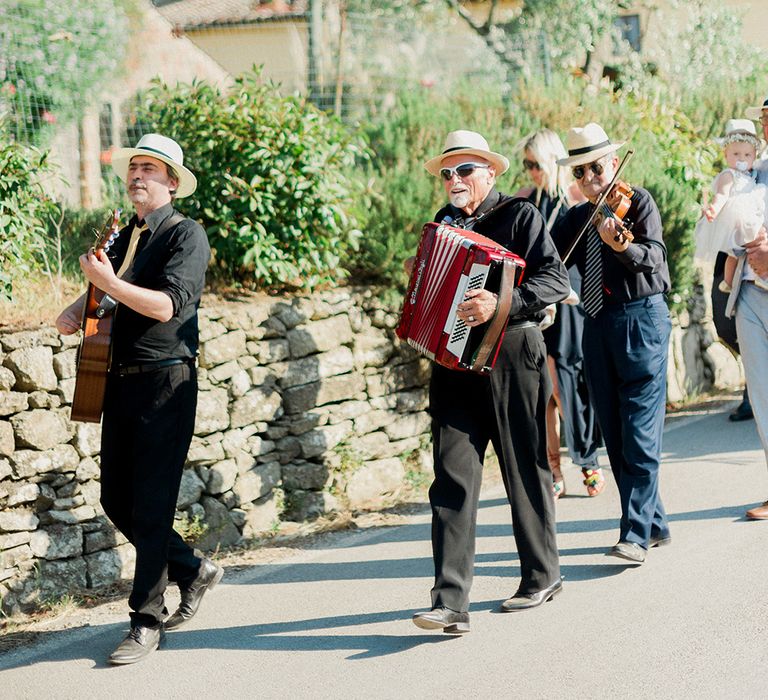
point(616, 206)
point(614, 203)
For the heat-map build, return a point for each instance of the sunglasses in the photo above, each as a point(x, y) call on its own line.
point(463, 170)
point(579, 171)
point(531, 165)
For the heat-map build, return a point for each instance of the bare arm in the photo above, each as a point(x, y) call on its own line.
point(147, 302)
point(723, 186)
point(757, 253)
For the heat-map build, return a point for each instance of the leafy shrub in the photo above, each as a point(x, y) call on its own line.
point(25, 212)
point(277, 186)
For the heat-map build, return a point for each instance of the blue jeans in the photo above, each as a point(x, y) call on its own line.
point(625, 358)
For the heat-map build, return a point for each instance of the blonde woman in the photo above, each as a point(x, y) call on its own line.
point(553, 192)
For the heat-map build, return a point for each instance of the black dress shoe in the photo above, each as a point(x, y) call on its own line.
point(140, 642)
point(631, 551)
point(526, 601)
point(742, 412)
point(208, 576)
point(445, 619)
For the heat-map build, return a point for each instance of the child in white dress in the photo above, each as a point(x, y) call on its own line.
point(737, 210)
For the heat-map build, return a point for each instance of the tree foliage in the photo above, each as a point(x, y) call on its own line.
point(277, 186)
point(53, 62)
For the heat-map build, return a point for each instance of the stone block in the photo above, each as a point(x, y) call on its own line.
point(30, 339)
point(7, 379)
point(223, 348)
point(190, 489)
point(240, 383)
point(373, 420)
point(212, 411)
point(220, 531)
point(64, 458)
point(57, 542)
point(261, 517)
point(256, 482)
point(17, 519)
point(65, 363)
point(409, 425)
point(68, 517)
point(5, 469)
point(67, 390)
point(259, 404)
point(371, 446)
point(222, 476)
point(14, 540)
point(7, 440)
point(347, 410)
point(91, 491)
point(33, 368)
point(42, 399)
point(270, 351)
point(204, 452)
point(21, 492)
point(222, 373)
point(108, 566)
point(300, 399)
point(310, 369)
point(308, 505)
point(320, 336)
point(307, 421)
point(372, 350)
point(374, 480)
point(410, 401)
point(106, 538)
point(41, 429)
point(15, 556)
point(87, 469)
point(13, 402)
point(61, 576)
point(322, 439)
point(87, 439)
point(303, 475)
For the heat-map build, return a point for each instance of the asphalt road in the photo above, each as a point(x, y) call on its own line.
point(334, 621)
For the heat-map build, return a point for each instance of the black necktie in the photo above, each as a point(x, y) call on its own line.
point(592, 284)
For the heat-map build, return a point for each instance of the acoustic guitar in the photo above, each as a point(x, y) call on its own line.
point(96, 346)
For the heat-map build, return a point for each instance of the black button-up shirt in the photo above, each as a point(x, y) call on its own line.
point(171, 259)
point(641, 270)
point(521, 229)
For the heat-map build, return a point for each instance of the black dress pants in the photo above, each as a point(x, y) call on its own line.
point(147, 428)
point(506, 408)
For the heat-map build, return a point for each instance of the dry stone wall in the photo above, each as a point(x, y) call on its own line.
point(306, 405)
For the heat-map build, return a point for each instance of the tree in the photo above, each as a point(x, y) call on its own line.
point(51, 63)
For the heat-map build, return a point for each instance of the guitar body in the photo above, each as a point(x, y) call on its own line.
point(95, 351)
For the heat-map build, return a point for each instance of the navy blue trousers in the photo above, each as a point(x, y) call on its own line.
point(625, 358)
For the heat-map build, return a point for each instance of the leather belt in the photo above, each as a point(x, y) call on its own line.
point(123, 370)
point(522, 323)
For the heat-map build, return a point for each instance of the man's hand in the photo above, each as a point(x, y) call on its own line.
point(70, 319)
point(608, 232)
point(98, 270)
point(408, 264)
point(757, 253)
point(479, 306)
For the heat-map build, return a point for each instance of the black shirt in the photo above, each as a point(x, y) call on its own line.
point(521, 229)
point(641, 270)
point(171, 259)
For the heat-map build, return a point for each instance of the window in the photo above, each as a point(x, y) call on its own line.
point(629, 29)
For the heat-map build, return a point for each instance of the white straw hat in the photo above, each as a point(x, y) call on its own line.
point(756, 112)
point(470, 143)
point(740, 130)
point(162, 148)
point(586, 144)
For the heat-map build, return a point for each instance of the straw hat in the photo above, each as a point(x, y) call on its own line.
point(586, 144)
point(468, 143)
point(162, 148)
point(756, 112)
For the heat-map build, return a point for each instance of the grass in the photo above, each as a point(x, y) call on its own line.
point(37, 301)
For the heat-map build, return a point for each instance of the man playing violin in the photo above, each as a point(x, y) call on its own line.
point(626, 331)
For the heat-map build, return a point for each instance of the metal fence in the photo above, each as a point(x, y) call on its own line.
point(349, 64)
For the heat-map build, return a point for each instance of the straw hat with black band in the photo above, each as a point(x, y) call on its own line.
point(756, 112)
point(165, 150)
point(586, 144)
point(468, 143)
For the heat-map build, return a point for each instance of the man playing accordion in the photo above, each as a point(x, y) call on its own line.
point(505, 407)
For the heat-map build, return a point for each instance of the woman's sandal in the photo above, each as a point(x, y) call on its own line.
point(558, 484)
point(593, 480)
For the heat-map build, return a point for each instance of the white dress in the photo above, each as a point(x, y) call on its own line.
point(737, 223)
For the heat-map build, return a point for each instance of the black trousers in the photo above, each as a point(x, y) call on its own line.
point(146, 431)
point(507, 409)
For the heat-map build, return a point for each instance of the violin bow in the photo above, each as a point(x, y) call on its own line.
point(598, 205)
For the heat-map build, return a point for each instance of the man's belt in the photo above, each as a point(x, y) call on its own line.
point(123, 370)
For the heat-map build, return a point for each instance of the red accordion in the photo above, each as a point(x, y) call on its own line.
point(451, 261)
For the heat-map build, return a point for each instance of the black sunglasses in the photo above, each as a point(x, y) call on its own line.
point(463, 170)
point(531, 164)
point(580, 170)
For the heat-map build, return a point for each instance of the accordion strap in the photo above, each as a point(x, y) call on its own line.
point(500, 318)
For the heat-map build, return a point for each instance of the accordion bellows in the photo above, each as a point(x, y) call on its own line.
point(450, 262)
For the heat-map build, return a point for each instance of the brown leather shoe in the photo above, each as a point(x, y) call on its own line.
point(758, 512)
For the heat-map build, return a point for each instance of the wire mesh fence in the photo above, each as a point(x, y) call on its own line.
point(53, 65)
